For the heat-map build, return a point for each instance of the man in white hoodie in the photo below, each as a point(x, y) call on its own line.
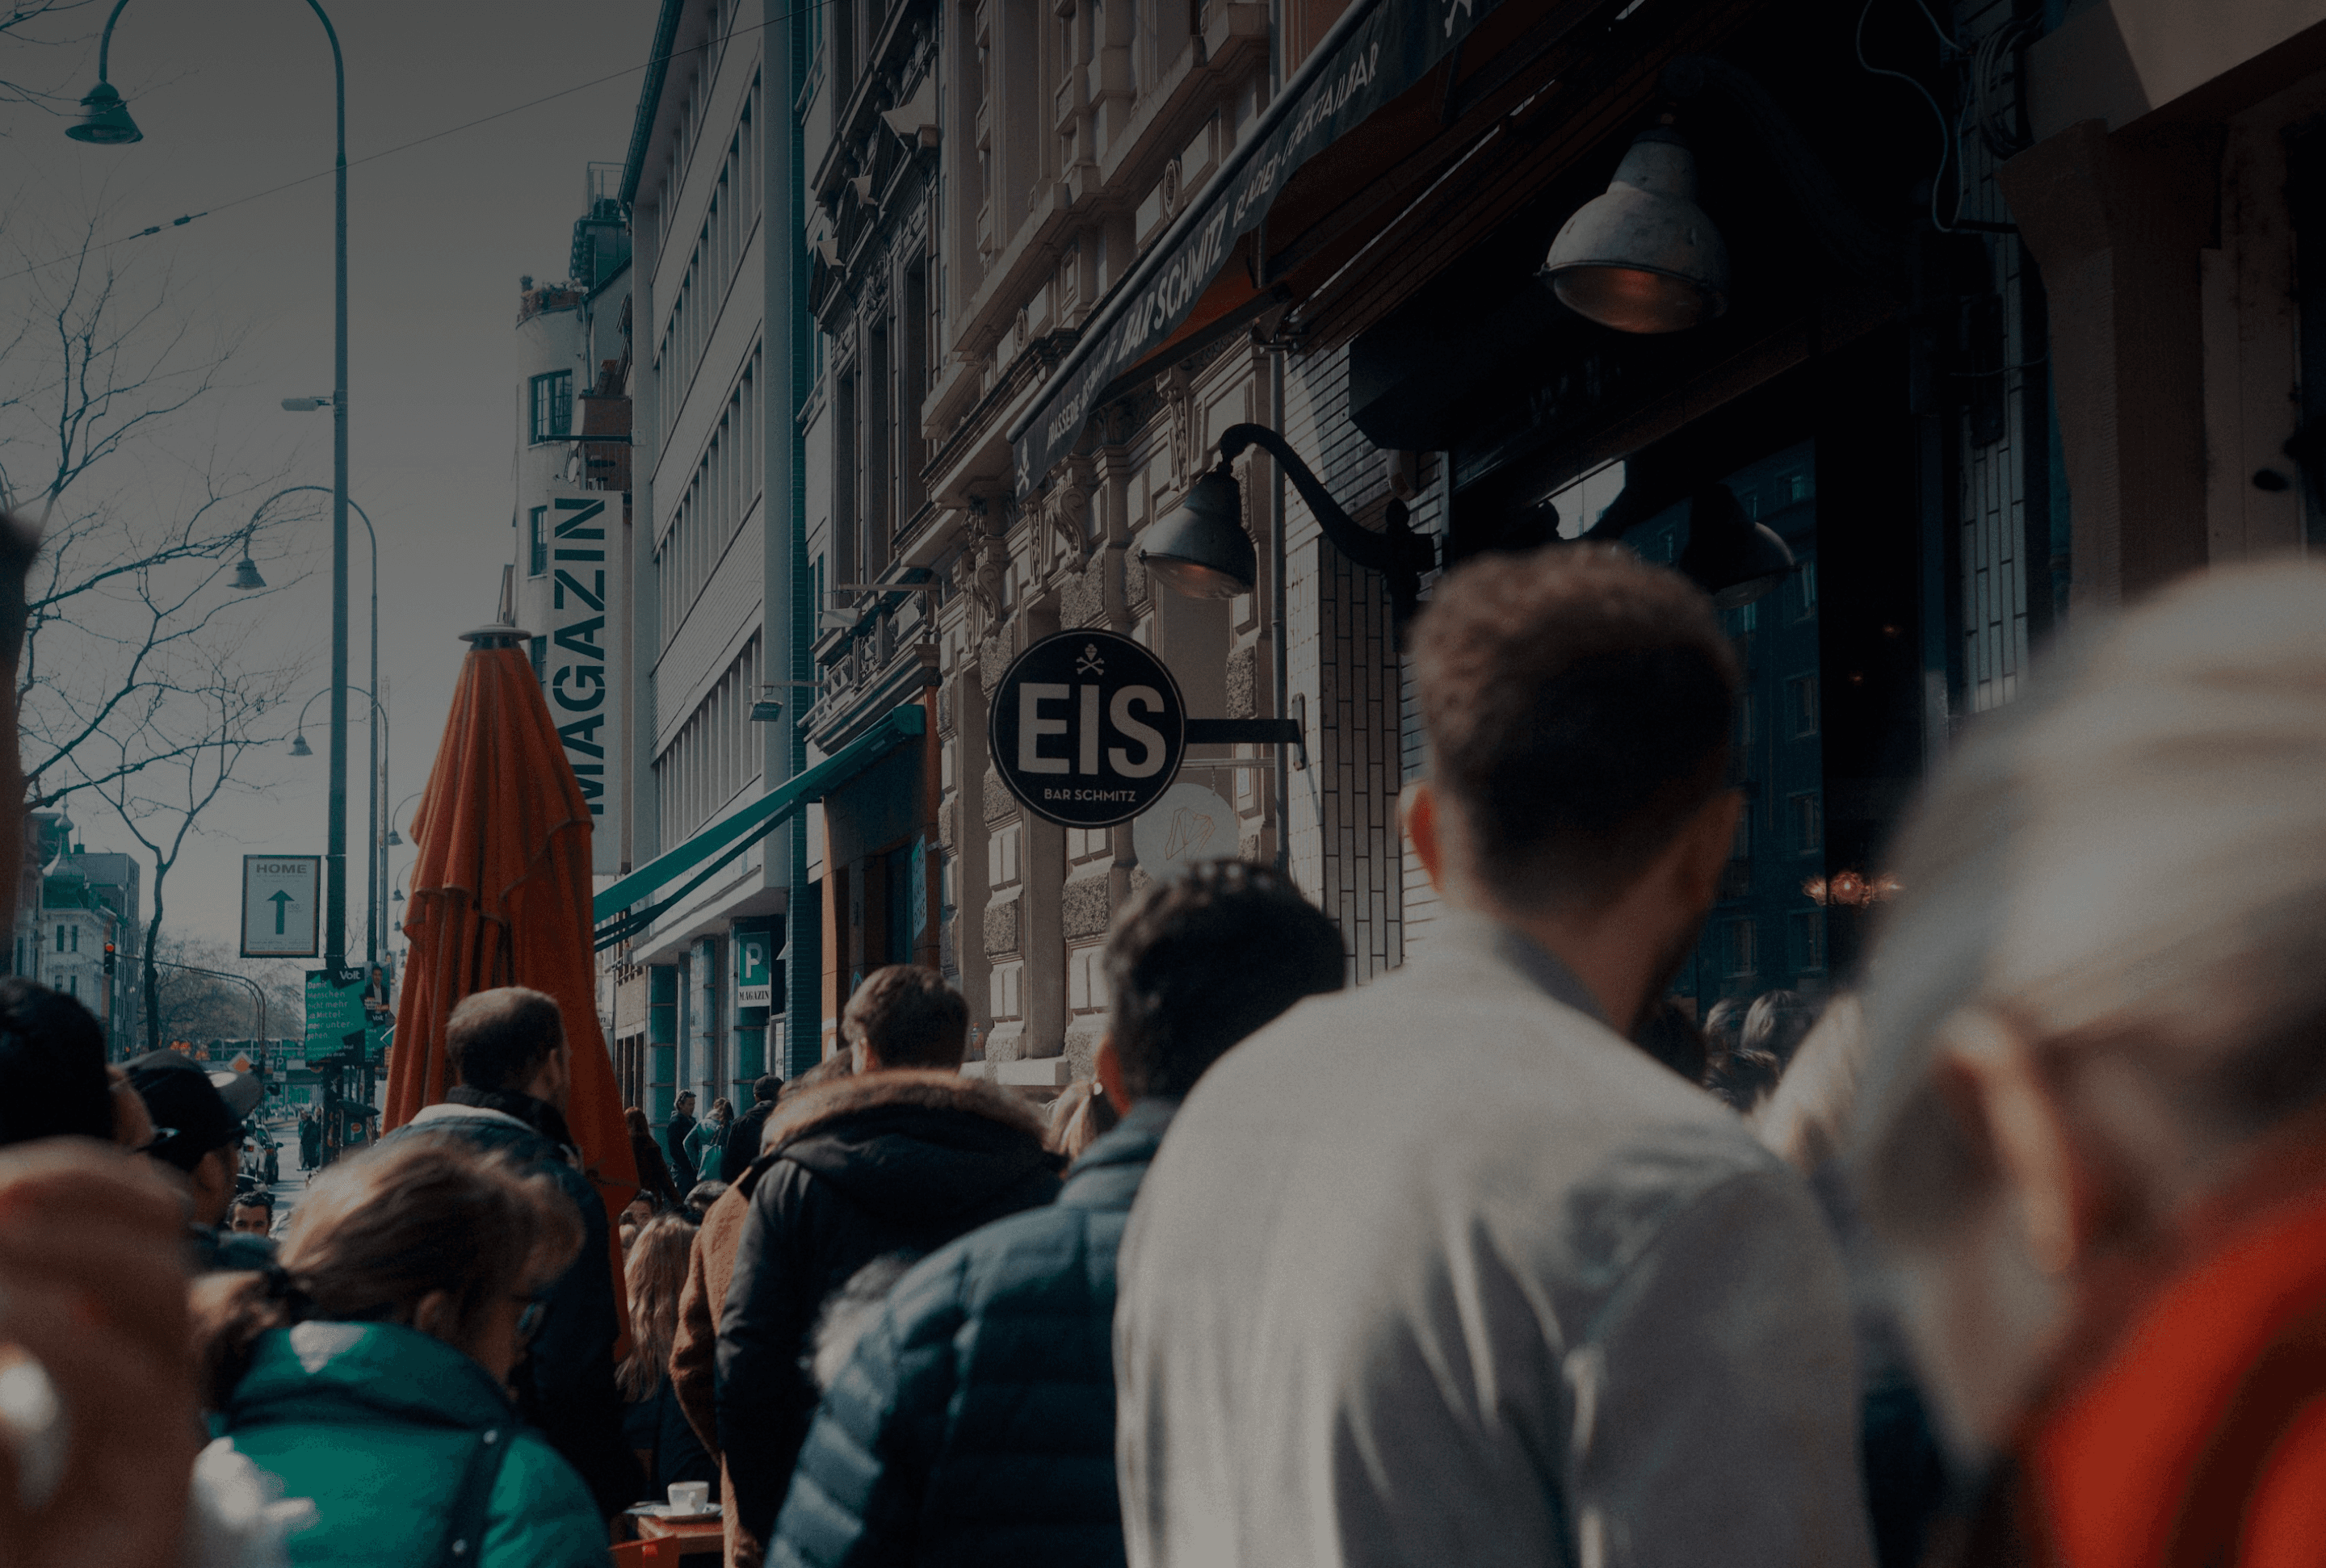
point(1445, 1271)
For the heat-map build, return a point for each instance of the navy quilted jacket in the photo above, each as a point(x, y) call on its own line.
point(975, 1423)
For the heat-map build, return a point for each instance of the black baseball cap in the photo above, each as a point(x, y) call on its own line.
point(195, 1109)
point(52, 1079)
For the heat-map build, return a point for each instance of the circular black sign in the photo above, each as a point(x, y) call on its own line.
point(1086, 728)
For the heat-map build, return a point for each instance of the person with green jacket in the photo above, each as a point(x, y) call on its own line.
point(706, 1145)
point(367, 1370)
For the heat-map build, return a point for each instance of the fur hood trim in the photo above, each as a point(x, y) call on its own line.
point(928, 1088)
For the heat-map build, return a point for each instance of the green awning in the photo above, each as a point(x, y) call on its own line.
point(736, 831)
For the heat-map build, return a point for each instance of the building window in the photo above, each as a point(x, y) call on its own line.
point(1001, 856)
point(72, 984)
point(553, 406)
point(1802, 704)
point(1805, 590)
point(1806, 928)
point(1809, 823)
point(539, 646)
point(61, 939)
point(76, 939)
point(1743, 957)
point(537, 541)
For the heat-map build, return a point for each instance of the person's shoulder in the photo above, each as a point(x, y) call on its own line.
point(541, 1512)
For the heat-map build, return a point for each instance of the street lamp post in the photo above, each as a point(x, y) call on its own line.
point(257, 993)
point(106, 123)
point(247, 577)
point(374, 883)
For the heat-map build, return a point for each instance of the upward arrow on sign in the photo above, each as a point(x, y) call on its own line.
point(281, 901)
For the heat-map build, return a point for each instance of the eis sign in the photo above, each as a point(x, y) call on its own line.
point(1087, 728)
point(580, 665)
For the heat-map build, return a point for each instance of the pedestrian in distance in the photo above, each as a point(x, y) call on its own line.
point(253, 1214)
point(653, 1423)
point(742, 1145)
point(367, 1370)
point(674, 1136)
point(506, 1051)
point(654, 1176)
point(198, 1114)
point(706, 1146)
point(310, 1141)
point(903, 1156)
point(975, 1420)
point(2092, 1124)
point(1540, 1301)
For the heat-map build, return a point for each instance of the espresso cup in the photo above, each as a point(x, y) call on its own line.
point(689, 1496)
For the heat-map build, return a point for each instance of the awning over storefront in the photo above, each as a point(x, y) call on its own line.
point(725, 839)
point(1375, 52)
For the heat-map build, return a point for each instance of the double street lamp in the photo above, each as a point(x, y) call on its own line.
point(105, 122)
point(376, 840)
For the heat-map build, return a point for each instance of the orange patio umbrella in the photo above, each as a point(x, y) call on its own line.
point(500, 896)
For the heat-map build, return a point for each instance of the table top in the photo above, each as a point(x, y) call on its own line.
point(650, 1528)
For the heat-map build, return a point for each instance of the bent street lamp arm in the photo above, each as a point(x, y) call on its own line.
point(1363, 546)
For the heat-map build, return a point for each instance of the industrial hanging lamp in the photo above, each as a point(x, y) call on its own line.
point(245, 575)
point(1642, 257)
point(299, 747)
point(1730, 556)
point(1200, 548)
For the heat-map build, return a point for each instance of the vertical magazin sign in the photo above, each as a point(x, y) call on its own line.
point(581, 669)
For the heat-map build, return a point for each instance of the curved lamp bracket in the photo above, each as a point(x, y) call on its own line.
point(1397, 553)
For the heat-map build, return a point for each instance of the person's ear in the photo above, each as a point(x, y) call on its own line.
point(1703, 849)
point(438, 1316)
point(1987, 1074)
point(1419, 807)
point(1107, 1066)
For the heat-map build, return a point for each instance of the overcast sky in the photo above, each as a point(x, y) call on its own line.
point(234, 96)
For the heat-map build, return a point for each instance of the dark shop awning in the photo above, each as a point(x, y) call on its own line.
point(1375, 52)
point(722, 842)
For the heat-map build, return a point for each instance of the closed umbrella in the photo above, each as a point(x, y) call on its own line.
point(500, 896)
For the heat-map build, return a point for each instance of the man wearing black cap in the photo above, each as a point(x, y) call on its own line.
point(198, 1113)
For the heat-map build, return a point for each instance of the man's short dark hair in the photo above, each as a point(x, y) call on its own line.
point(1198, 962)
point(496, 1040)
point(907, 1016)
point(1577, 702)
point(53, 1078)
point(255, 1200)
point(765, 1089)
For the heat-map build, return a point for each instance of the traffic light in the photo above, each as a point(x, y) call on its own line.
point(108, 957)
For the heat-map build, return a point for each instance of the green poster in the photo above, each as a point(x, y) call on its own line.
point(336, 1024)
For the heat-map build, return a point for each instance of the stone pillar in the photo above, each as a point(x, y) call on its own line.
point(662, 1042)
point(2115, 221)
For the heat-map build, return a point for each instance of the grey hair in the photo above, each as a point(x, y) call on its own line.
point(2131, 859)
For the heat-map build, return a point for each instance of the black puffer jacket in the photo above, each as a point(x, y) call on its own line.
point(885, 1162)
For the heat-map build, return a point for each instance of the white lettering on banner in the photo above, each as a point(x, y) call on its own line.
point(1032, 727)
point(581, 664)
point(1151, 750)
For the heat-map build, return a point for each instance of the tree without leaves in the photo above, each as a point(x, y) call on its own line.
point(198, 1006)
point(58, 28)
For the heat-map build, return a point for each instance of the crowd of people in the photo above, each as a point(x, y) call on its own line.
point(2014, 1253)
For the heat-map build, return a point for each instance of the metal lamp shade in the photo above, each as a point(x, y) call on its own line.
point(1643, 257)
point(299, 747)
point(246, 574)
point(105, 119)
point(1730, 557)
point(1200, 548)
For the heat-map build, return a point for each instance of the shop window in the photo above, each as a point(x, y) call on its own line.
point(552, 406)
point(1809, 823)
point(1802, 704)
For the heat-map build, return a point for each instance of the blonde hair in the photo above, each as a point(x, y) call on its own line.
point(2130, 860)
point(655, 1267)
point(381, 1231)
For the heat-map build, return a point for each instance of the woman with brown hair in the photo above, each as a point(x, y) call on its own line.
point(368, 1369)
point(654, 1172)
point(652, 1420)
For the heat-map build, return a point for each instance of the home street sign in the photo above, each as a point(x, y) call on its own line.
point(1087, 728)
point(281, 899)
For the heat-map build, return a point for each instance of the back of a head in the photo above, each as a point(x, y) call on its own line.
point(384, 1229)
point(1724, 1025)
point(766, 1090)
point(1777, 1023)
point(905, 1016)
point(2128, 863)
point(1199, 961)
point(1577, 702)
point(496, 1040)
point(655, 1268)
point(53, 1081)
point(634, 1122)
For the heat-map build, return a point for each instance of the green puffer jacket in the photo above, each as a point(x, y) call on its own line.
point(395, 1436)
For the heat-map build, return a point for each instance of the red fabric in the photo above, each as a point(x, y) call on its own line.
point(500, 896)
point(2201, 1437)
